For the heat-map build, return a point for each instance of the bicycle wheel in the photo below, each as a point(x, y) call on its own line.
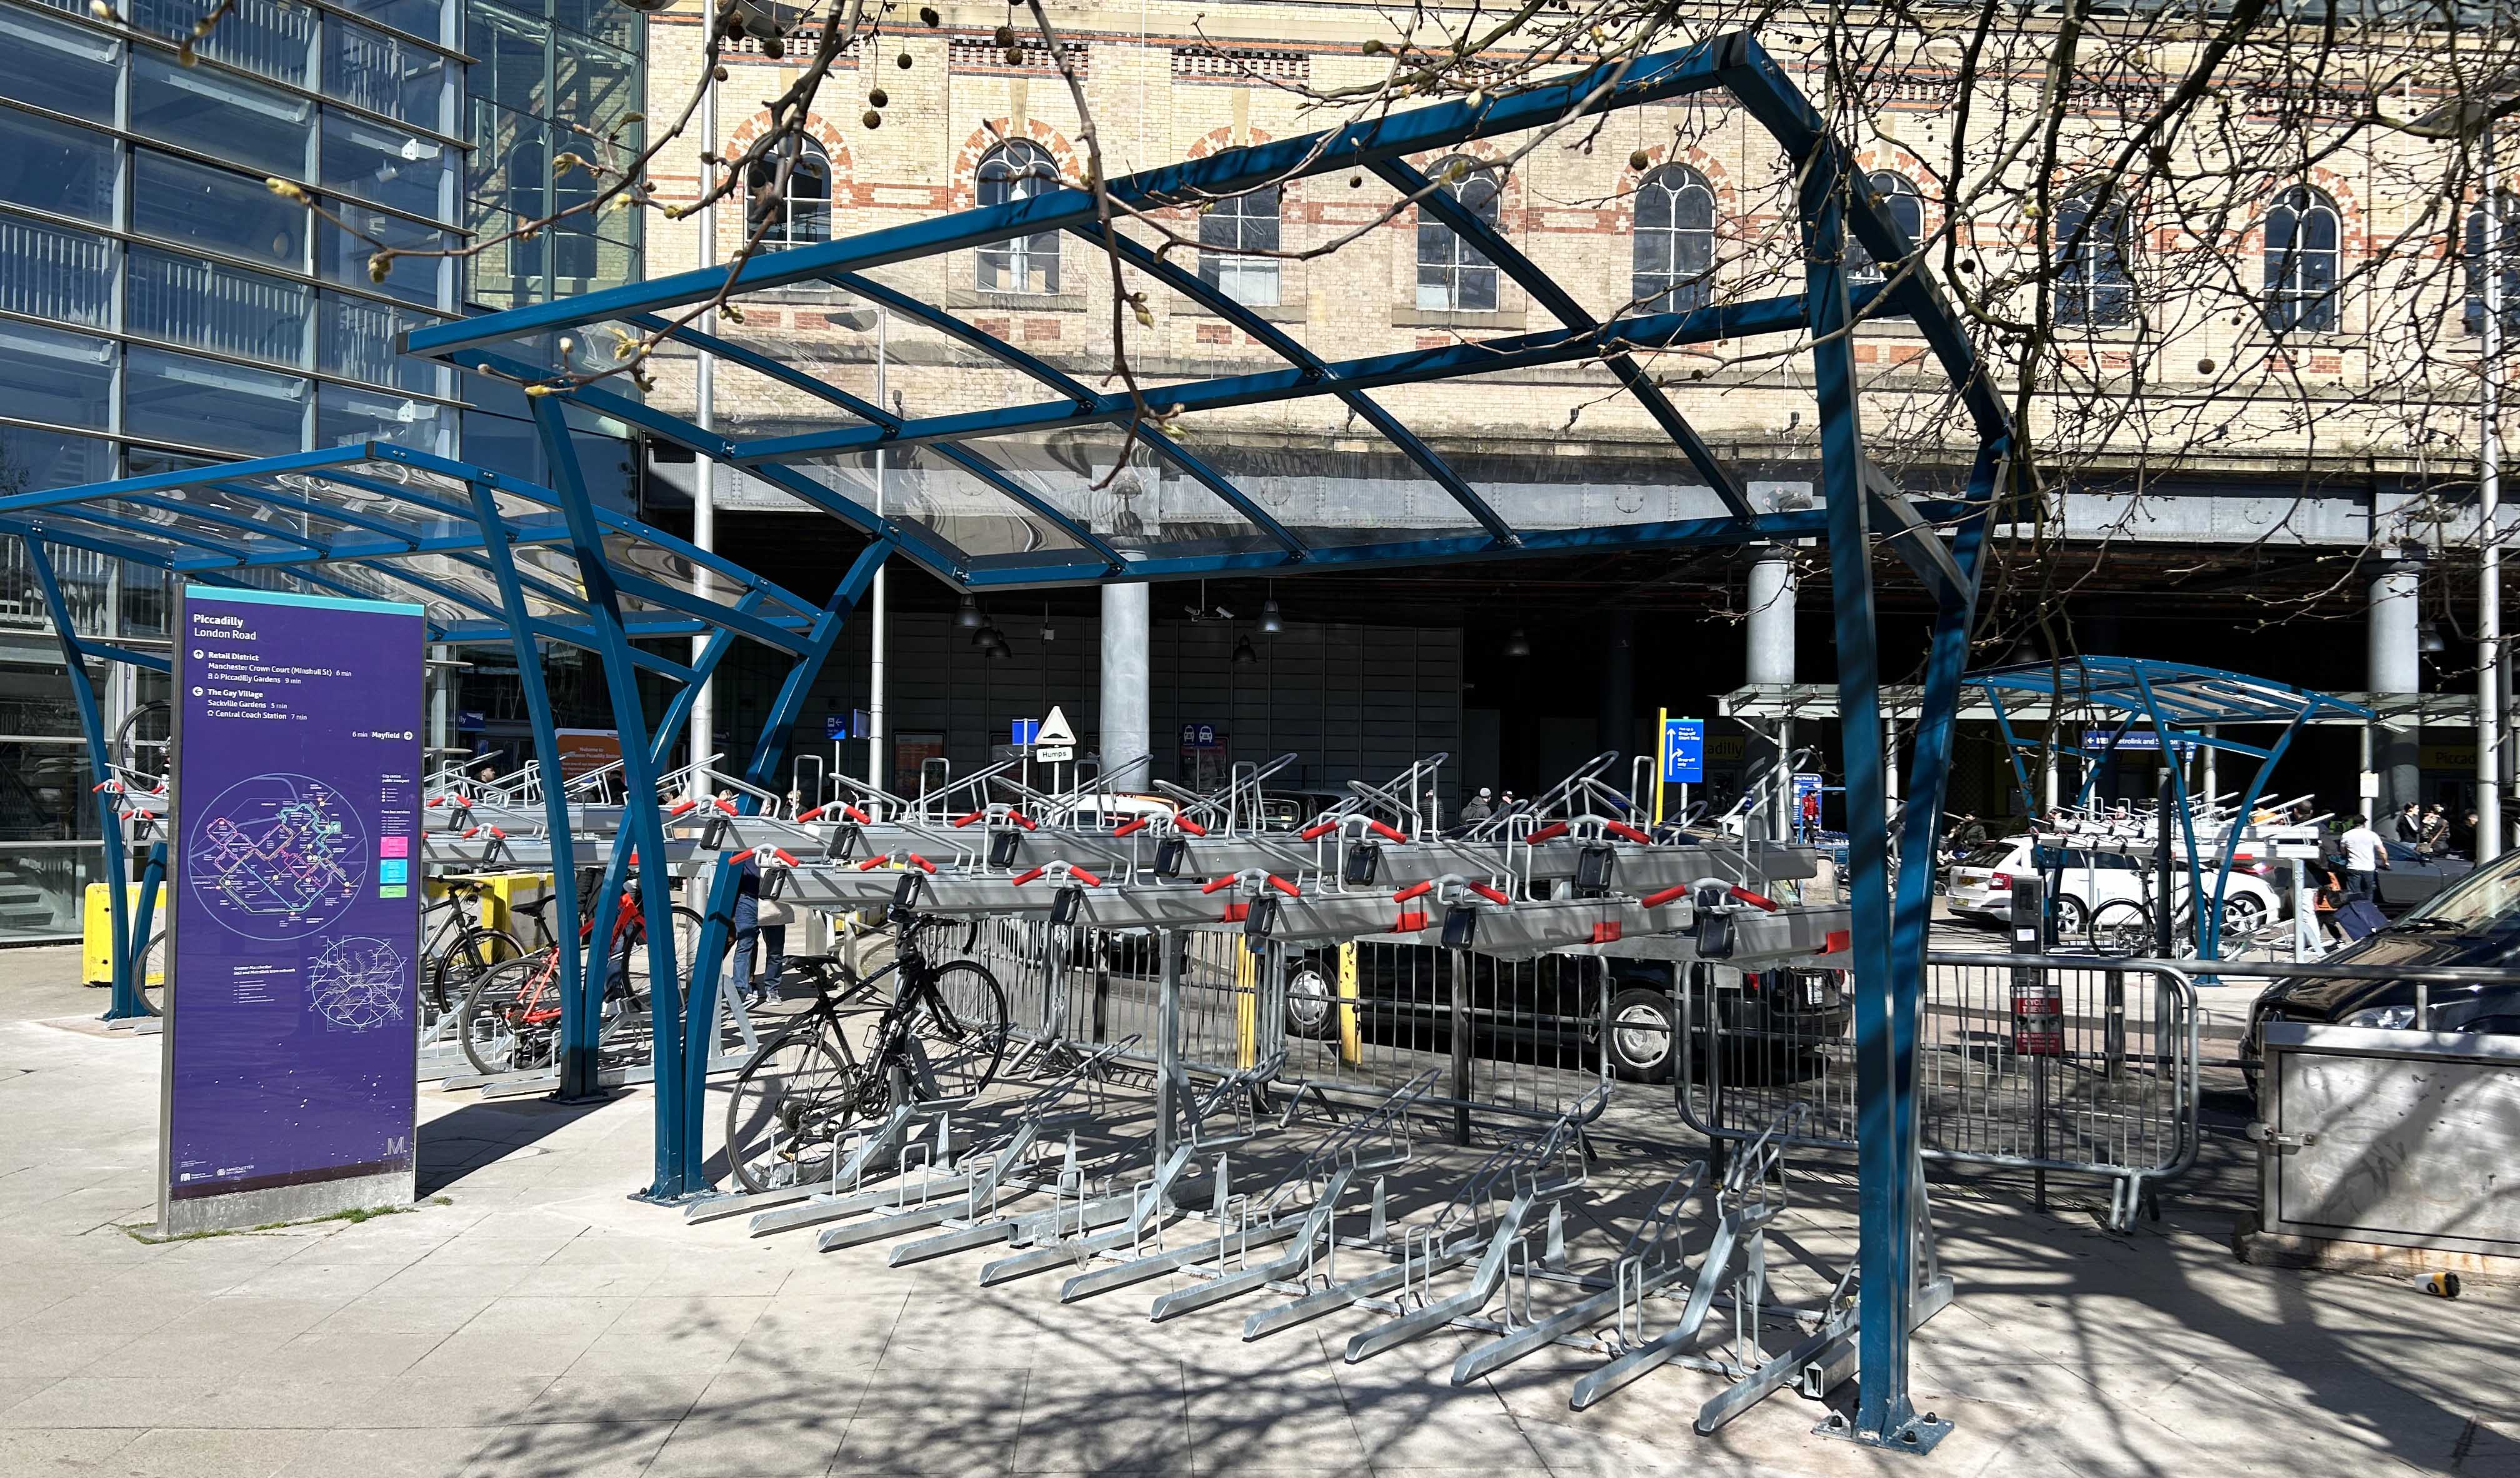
point(789, 1105)
point(2121, 927)
point(958, 1020)
point(630, 958)
point(140, 742)
point(511, 1020)
point(152, 968)
point(454, 970)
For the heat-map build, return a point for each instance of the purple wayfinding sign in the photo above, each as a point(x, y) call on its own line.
point(293, 1002)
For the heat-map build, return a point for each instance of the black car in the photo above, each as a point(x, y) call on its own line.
point(1404, 995)
point(2412, 878)
point(2474, 923)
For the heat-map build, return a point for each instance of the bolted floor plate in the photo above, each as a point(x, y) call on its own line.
point(1917, 1434)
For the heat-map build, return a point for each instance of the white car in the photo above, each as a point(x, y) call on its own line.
point(1980, 886)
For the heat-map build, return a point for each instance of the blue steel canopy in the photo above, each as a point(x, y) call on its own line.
point(2184, 705)
point(384, 522)
point(1010, 491)
point(2182, 700)
point(1050, 469)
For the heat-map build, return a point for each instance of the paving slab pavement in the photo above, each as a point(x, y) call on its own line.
point(529, 1319)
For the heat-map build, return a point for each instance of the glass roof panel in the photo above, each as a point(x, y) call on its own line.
point(183, 527)
point(143, 543)
point(1149, 502)
point(1368, 492)
point(238, 502)
point(925, 489)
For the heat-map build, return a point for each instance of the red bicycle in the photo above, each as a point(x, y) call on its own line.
point(510, 1019)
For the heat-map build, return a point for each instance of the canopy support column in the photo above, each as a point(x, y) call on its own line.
point(576, 1054)
point(125, 1002)
point(642, 829)
point(1887, 1000)
point(717, 923)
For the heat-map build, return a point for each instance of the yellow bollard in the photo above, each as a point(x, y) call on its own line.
point(1246, 1006)
point(1351, 1047)
point(96, 929)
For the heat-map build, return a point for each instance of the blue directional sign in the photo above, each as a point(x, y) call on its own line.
point(1684, 751)
point(835, 725)
point(1024, 732)
point(1198, 736)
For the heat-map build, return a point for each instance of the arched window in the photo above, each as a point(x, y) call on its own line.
point(1907, 208)
point(2506, 247)
point(1018, 169)
point(1452, 276)
point(1674, 267)
point(1233, 228)
point(2092, 288)
point(795, 211)
point(2302, 261)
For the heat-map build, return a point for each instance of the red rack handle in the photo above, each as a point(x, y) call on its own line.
point(857, 815)
point(1132, 828)
point(1020, 819)
point(468, 831)
point(1490, 894)
point(433, 800)
point(968, 820)
point(1838, 942)
point(781, 853)
point(1623, 829)
point(1317, 830)
point(1671, 895)
point(1091, 881)
point(1549, 833)
point(1022, 878)
point(809, 815)
point(1284, 887)
point(921, 864)
point(1219, 885)
point(871, 864)
point(1754, 900)
point(728, 807)
point(1184, 823)
point(679, 806)
point(1412, 891)
point(744, 857)
point(1391, 833)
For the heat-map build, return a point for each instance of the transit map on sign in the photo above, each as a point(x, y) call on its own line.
point(357, 983)
point(278, 857)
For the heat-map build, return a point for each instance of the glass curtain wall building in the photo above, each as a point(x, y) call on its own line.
point(162, 305)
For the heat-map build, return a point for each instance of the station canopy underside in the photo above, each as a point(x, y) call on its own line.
point(1027, 476)
point(379, 521)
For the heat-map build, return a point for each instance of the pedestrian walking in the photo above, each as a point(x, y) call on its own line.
point(2410, 823)
point(2364, 856)
point(2462, 835)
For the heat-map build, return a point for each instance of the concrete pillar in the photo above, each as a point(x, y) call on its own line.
point(2396, 667)
point(1618, 697)
point(1127, 722)
point(1773, 585)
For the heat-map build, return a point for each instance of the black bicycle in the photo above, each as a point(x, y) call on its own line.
point(941, 1036)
